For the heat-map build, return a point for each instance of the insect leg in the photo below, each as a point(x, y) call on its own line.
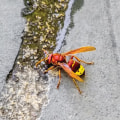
point(77, 86)
point(59, 79)
point(40, 61)
point(79, 60)
point(50, 68)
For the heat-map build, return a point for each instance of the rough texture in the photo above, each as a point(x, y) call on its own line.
point(11, 26)
point(96, 24)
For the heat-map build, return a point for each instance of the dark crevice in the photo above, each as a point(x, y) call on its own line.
point(11, 71)
point(76, 6)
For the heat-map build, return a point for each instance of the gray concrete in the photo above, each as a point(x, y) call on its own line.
point(11, 26)
point(96, 24)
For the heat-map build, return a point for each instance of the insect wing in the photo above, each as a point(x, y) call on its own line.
point(79, 50)
point(70, 72)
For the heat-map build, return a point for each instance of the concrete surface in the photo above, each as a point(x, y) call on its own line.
point(11, 27)
point(97, 23)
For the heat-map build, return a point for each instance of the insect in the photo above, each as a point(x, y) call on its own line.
point(73, 67)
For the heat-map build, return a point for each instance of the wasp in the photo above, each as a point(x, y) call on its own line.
point(73, 67)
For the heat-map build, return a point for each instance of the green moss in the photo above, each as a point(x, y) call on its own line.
point(43, 21)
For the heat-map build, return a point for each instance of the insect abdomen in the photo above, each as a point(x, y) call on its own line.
point(80, 71)
point(76, 67)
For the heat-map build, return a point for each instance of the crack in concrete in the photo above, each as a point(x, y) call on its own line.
point(111, 30)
